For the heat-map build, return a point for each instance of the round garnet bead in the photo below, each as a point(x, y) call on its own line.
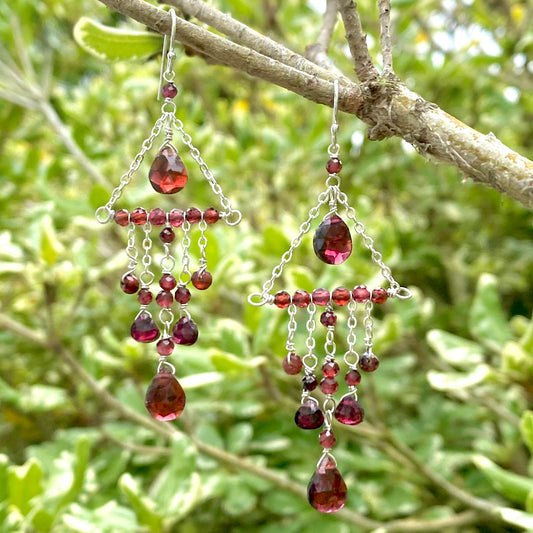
point(129, 283)
point(193, 215)
point(352, 378)
point(211, 215)
point(329, 386)
point(321, 297)
point(167, 235)
point(328, 318)
point(169, 90)
point(360, 294)
point(309, 382)
point(164, 299)
point(139, 216)
point(202, 279)
point(327, 439)
point(122, 217)
point(379, 295)
point(334, 165)
point(157, 217)
point(368, 362)
point(309, 416)
point(167, 282)
point(341, 295)
point(330, 369)
point(165, 347)
point(175, 217)
point(292, 364)
point(183, 294)
point(165, 398)
point(282, 299)
point(301, 298)
point(144, 296)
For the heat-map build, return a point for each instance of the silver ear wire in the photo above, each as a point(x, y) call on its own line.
point(166, 73)
point(333, 148)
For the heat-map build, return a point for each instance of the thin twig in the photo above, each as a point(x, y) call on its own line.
point(385, 36)
point(364, 66)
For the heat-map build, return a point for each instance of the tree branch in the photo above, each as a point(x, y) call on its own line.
point(385, 36)
point(364, 67)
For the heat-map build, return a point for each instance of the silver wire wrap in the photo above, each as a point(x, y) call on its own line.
point(291, 330)
point(147, 276)
point(309, 360)
point(167, 262)
point(166, 317)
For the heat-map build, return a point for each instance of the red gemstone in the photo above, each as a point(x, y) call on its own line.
point(122, 217)
point(185, 331)
point(329, 386)
point(175, 217)
point(211, 215)
point(144, 296)
point(168, 174)
point(341, 295)
point(301, 298)
point(144, 329)
point(167, 235)
point(292, 364)
point(332, 241)
point(164, 299)
point(282, 299)
point(309, 415)
point(349, 411)
point(183, 294)
point(167, 282)
point(330, 369)
point(368, 362)
point(129, 283)
point(327, 439)
point(169, 90)
point(360, 294)
point(157, 217)
point(334, 165)
point(164, 347)
point(327, 491)
point(165, 399)
point(193, 215)
point(202, 279)
point(321, 297)
point(309, 382)
point(379, 295)
point(328, 318)
point(139, 216)
point(352, 378)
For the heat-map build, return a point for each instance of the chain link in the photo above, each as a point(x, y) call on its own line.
point(291, 327)
point(131, 249)
point(202, 243)
point(351, 339)
point(329, 345)
point(147, 276)
point(185, 275)
point(167, 262)
point(230, 213)
point(368, 323)
point(310, 360)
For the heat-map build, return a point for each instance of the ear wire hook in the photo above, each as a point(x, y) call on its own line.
point(167, 74)
point(334, 148)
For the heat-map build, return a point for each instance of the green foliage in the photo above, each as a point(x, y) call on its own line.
point(454, 383)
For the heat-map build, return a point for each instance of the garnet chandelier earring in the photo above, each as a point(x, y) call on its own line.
point(165, 398)
point(332, 244)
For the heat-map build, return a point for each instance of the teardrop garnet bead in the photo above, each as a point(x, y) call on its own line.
point(327, 490)
point(332, 241)
point(168, 174)
point(309, 416)
point(185, 331)
point(349, 411)
point(165, 399)
point(144, 329)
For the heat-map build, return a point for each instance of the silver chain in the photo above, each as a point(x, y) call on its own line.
point(291, 327)
point(185, 275)
point(351, 339)
point(202, 243)
point(231, 216)
point(131, 249)
point(147, 276)
point(367, 321)
point(309, 360)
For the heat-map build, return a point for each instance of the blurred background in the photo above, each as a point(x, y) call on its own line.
point(448, 433)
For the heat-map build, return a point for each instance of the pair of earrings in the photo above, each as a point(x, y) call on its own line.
point(332, 242)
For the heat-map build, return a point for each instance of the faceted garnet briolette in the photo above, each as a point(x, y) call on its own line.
point(332, 241)
point(168, 174)
point(165, 399)
point(349, 411)
point(144, 329)
point(327, 490)
point(309, 415)
point(185, 331)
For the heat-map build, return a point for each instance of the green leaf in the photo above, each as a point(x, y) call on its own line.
point(228, 363)
point(111, 44)
point(239, 499)
point(239, 436)
point(233, 338)
point(43, 398)
point(4, 464)
point(51, 248)
point(526, 428)
point(444, 381)
point(81, 460)
point(144, 507)
point(203, 379)
point(24, 482)
point(455, 350)
point(529, 502)
point(487, 321)
point(517, 518)
point(514, 487)
point(42, 520)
